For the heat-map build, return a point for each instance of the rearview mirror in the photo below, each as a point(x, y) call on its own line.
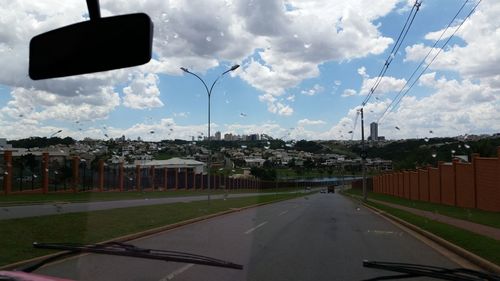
point(96, 45)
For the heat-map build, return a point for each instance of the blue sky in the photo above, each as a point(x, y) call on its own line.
point(299, 61)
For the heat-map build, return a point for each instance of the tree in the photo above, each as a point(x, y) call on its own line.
point(264, 174)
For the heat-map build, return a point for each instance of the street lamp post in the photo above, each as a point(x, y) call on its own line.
point(55, 133)
point(363, 155)
point(209, 93)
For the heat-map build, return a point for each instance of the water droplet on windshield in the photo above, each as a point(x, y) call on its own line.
point(307, 46)
point(209, 39)
point(176, 35)
point(221, 34)
point(164, 17)
point(295, 36)
point(426, 139)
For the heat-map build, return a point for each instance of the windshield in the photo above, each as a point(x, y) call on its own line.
point(292, 138)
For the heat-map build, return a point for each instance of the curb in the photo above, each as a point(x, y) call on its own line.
point(148, 232)
point(471, 257)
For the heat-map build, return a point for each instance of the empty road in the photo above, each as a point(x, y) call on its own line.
point(319, 237)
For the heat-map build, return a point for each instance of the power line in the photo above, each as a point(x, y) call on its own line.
point(395, 49)
point(399, 97)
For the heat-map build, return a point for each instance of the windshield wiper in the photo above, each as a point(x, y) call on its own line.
point(123, 249)
point(416, 270)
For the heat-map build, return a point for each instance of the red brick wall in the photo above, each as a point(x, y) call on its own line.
point(475, 185)
point(465, 185)
point(434, 186)
point(391, 183)
point(384, 183)
point(488, 184)
point(406, 184)
point(387, 185)
point(447, 184)
point(414, 185)
point(423, 181)
point(401, 192)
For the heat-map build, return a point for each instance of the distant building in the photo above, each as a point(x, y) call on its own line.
point(196, 166)
point(254, 162)
point(217, 136)
point(228, 137)
point(254, 137)
point(4, 144)
point(374, 131)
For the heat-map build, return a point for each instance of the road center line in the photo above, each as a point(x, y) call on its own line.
point(177, 272)
point(282, 213)
point(254, 228)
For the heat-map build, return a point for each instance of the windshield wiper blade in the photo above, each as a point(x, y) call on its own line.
point(123, 249)
point(414, 270)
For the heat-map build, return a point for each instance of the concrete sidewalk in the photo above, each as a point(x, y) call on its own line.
point(481, 229)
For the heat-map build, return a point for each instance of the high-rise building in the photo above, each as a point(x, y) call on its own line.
point(374, 131)
point(217, 135)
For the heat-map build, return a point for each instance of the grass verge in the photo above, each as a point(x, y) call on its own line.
point(17, 235)
point(480, 245)
point(29, 199)
point(472, 215)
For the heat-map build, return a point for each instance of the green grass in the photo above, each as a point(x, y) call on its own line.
point(472, 215)
point(17, 235)
point(20, 199)
point(483, 246)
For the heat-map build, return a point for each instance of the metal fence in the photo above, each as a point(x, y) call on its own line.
point(26, 173)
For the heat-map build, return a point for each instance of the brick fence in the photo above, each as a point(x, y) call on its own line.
point(467, 185)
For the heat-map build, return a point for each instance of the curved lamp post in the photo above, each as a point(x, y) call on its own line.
point(209, 93)
point(55, 133)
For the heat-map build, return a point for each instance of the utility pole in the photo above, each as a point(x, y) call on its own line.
point(363, 155)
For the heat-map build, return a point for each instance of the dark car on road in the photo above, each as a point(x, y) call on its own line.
point(331, 189)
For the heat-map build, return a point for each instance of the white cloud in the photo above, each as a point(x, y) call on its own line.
point(349, 93)
point(313, 91)
point(362, 72)
point(275, 106)
point(453, 108)
point(387, 84)
point(181, 114)
point(303, 38)
point(142, 91)
point(479, 56)
point(307, 122)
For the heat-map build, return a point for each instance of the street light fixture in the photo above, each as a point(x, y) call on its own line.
point(55, 133)
point(209, 93)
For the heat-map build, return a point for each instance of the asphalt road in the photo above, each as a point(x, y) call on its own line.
point(320, 237)
point(14, 212)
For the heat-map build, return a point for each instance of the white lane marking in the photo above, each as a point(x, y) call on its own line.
point(282, 213)
point(177, 272)
point(385, 232)
point(254, 228)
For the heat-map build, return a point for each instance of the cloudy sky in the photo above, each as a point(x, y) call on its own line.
point(306, 67)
